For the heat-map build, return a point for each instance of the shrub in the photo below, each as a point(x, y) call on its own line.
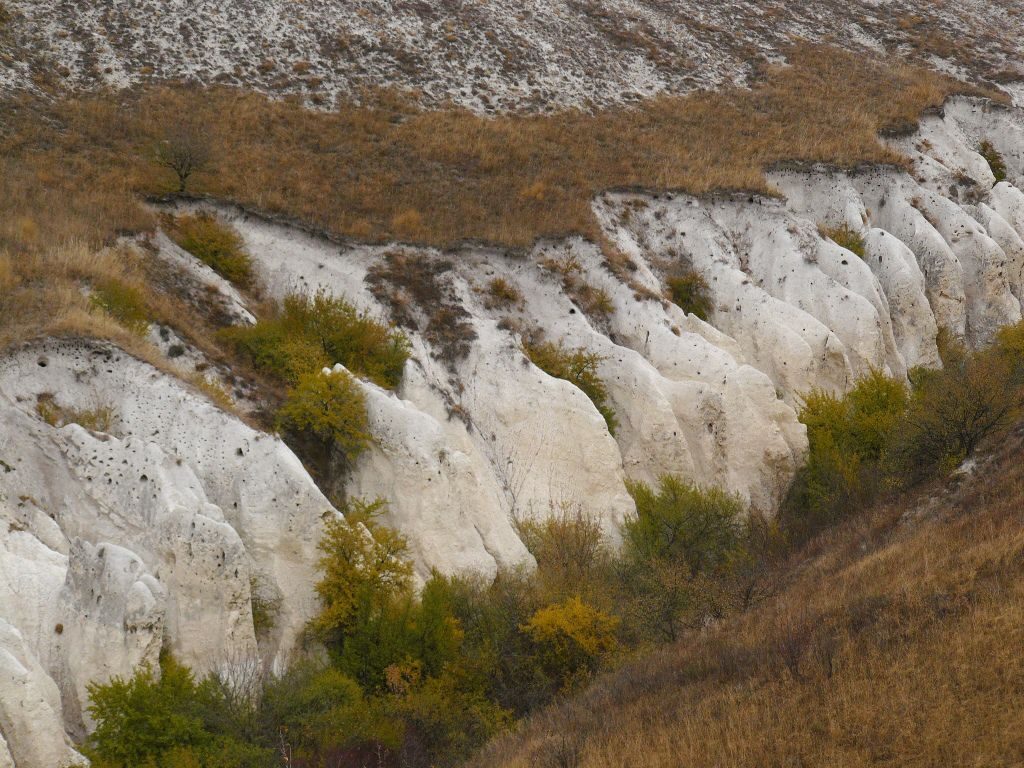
point(309, 333)
point(167, 722)
point(362, 569)
point(215, 244)
point(320, 712)
point(578, 367)
point(572, 639)
point(330, 409)
point(680, 522)
point(572, 554)
point(690, 292)
point(994, 159)
point(846, 237)
point(123, 302)
point(973, 397)
point(849, 459)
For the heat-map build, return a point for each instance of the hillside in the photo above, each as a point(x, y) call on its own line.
point(891, 641)
point(320, 322)
point(489, 56)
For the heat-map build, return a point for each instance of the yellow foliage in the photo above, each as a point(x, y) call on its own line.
point(572, 639)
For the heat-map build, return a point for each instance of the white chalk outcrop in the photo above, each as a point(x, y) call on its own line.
point(154, 533)
point(149, 535)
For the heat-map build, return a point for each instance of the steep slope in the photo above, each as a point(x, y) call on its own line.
point(500, 55)
point(891, 641)
point(169, 522)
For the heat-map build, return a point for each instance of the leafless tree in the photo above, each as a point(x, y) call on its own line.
point(185, 149)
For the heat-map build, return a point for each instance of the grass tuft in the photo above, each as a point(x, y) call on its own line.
point(845, 237)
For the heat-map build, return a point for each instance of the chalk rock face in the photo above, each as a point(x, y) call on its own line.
point(448, 499)
point(685, 401)
point(150, 534)
point(30, 710)
point(158, 530)
point(111, 615)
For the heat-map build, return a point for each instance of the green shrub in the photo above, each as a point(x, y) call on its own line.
point(123, 302)
point(318, 710)
point(330, 409)
point(309, 333)
point(847, 237)
point(849, 461)
point(170, 722)
point(995, 160)
point(973, 397)
point(682, 539)
point(679, 521)
point(362, 568)
point(690, 292)
point(215, 244)
point(578, 367)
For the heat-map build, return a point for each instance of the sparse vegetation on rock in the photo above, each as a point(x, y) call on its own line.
point(214, 243)
point(310, 332)
point(846, 237)
point(578, 367)
point(690, 292)
point(994, 159)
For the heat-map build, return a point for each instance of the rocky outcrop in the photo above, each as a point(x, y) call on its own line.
point(154, 531)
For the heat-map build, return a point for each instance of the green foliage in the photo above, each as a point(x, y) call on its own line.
point(690, 292)
point(847, 237)
point(318, 710)
point(849, 460)
point(578, 367)
point(331, 409)
point(215, 244)
point(682, 539)
point(311, 333)
point(572, 639)
point(447, 721)
point(974, 396)
point(995, 160)
point(162, 722)
point(362, 569)
point(680, 522)
point(123, 302)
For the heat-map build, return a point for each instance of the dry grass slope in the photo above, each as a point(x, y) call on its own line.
point(72, 170)
point(897, 642)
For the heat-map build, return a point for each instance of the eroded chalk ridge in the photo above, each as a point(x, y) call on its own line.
point(157, 528)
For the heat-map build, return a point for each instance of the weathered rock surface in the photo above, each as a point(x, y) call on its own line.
point(155, 532)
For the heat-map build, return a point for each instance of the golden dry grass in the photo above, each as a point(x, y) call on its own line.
point(897, 642)
point(392, 171)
